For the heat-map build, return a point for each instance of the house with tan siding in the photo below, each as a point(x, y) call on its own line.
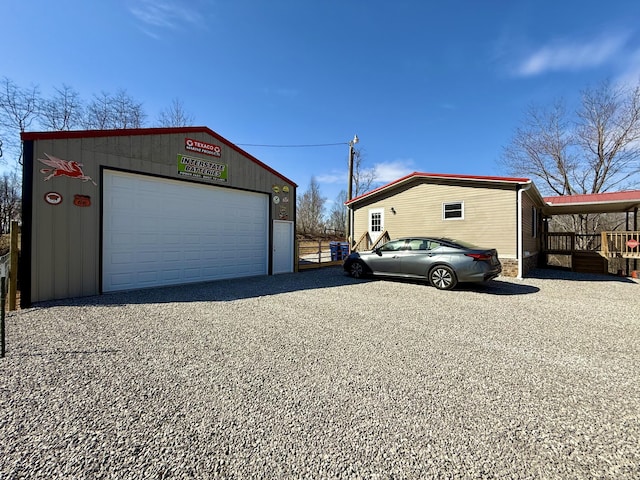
point(496, 212)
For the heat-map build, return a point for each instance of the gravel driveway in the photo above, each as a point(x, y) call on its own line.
point(316, 375)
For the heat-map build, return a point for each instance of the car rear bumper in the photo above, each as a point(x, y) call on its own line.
point(481, 273)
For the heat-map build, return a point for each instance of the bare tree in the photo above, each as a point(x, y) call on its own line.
point(608, 133)
point(175, 115)
point(593, 151)
point(337, 218)
point(107, 111)
point(10, 200)
point(19, 107)
point(363, 178)
point(310, 208)
point(63, 111)
point(99, 114)
point(127, 113)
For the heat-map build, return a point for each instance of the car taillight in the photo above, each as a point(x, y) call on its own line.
point(479, 257)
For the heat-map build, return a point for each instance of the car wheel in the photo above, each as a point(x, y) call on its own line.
point(442, 277)
point(357, 269)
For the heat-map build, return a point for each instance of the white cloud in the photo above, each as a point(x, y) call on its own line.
point(333, 177)
point(572, 56)
point(164, 14)
point(385, 172)
point(389, 171)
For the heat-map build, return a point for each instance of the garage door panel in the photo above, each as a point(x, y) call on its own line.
point(164, 232)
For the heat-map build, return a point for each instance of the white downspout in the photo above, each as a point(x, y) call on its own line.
point(520, 252)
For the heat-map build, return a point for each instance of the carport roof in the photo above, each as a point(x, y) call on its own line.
point(592, 203)
point(67, 134)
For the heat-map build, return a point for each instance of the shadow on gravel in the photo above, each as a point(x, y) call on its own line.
point(560, 274)
point(328, 277)
point(220, 290)
point(493, 287)
point(496, 287)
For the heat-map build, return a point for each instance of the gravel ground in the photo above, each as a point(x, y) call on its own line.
point(316, 375)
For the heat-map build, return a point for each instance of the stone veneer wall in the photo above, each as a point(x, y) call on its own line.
point(510, 265)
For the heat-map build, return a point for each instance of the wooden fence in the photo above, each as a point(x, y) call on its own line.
point(9, 270)
point(320, 253)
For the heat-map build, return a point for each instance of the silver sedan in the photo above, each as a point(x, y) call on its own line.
point(443, 262)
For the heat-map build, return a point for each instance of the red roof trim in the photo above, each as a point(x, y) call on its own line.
point(626, 196)
point(66, 134)
point(451, 176)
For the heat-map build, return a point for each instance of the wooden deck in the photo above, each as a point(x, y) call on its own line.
point(618, 244)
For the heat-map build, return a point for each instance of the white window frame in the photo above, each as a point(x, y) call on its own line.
point(444, 215)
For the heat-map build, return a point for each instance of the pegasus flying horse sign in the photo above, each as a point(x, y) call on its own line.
point(63, 168)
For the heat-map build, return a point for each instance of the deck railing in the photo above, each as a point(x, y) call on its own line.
point(381, 240)
point(366, 243)
point(363, 243)
point(625, 244)
point(568, 242)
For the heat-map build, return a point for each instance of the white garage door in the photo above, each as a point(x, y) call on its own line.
point(167, 232)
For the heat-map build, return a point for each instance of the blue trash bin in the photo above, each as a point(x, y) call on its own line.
point(344, 250)
point(333, 246)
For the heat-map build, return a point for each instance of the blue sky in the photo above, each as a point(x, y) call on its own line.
point(430, 86)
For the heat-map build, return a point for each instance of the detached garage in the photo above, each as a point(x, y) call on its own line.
point(114, 210)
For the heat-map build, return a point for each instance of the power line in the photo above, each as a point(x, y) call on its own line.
point(292, 146)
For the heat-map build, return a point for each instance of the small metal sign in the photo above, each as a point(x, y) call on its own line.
point(53, 198)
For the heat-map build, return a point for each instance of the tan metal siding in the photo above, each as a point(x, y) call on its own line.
point(490, 214)
point(66, 238)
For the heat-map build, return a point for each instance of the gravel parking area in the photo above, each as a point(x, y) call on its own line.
point(316, 375)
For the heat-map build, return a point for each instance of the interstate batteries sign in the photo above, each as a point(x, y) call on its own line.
point(201, 168)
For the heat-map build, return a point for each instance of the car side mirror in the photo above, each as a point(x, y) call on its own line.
point(378, 251)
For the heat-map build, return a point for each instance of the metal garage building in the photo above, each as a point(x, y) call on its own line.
point(115, 210)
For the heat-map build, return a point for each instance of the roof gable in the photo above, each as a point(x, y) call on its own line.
point(464, 179)
point(73, 134)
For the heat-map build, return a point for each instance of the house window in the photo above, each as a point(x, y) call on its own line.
point(376, 222)
point(453, 211)
point(534, 222)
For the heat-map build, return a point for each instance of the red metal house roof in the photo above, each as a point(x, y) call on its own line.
point(450, 176)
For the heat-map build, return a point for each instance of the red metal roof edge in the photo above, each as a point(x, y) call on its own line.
point(451, 176)
point(623, 196)
point(64, 134)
